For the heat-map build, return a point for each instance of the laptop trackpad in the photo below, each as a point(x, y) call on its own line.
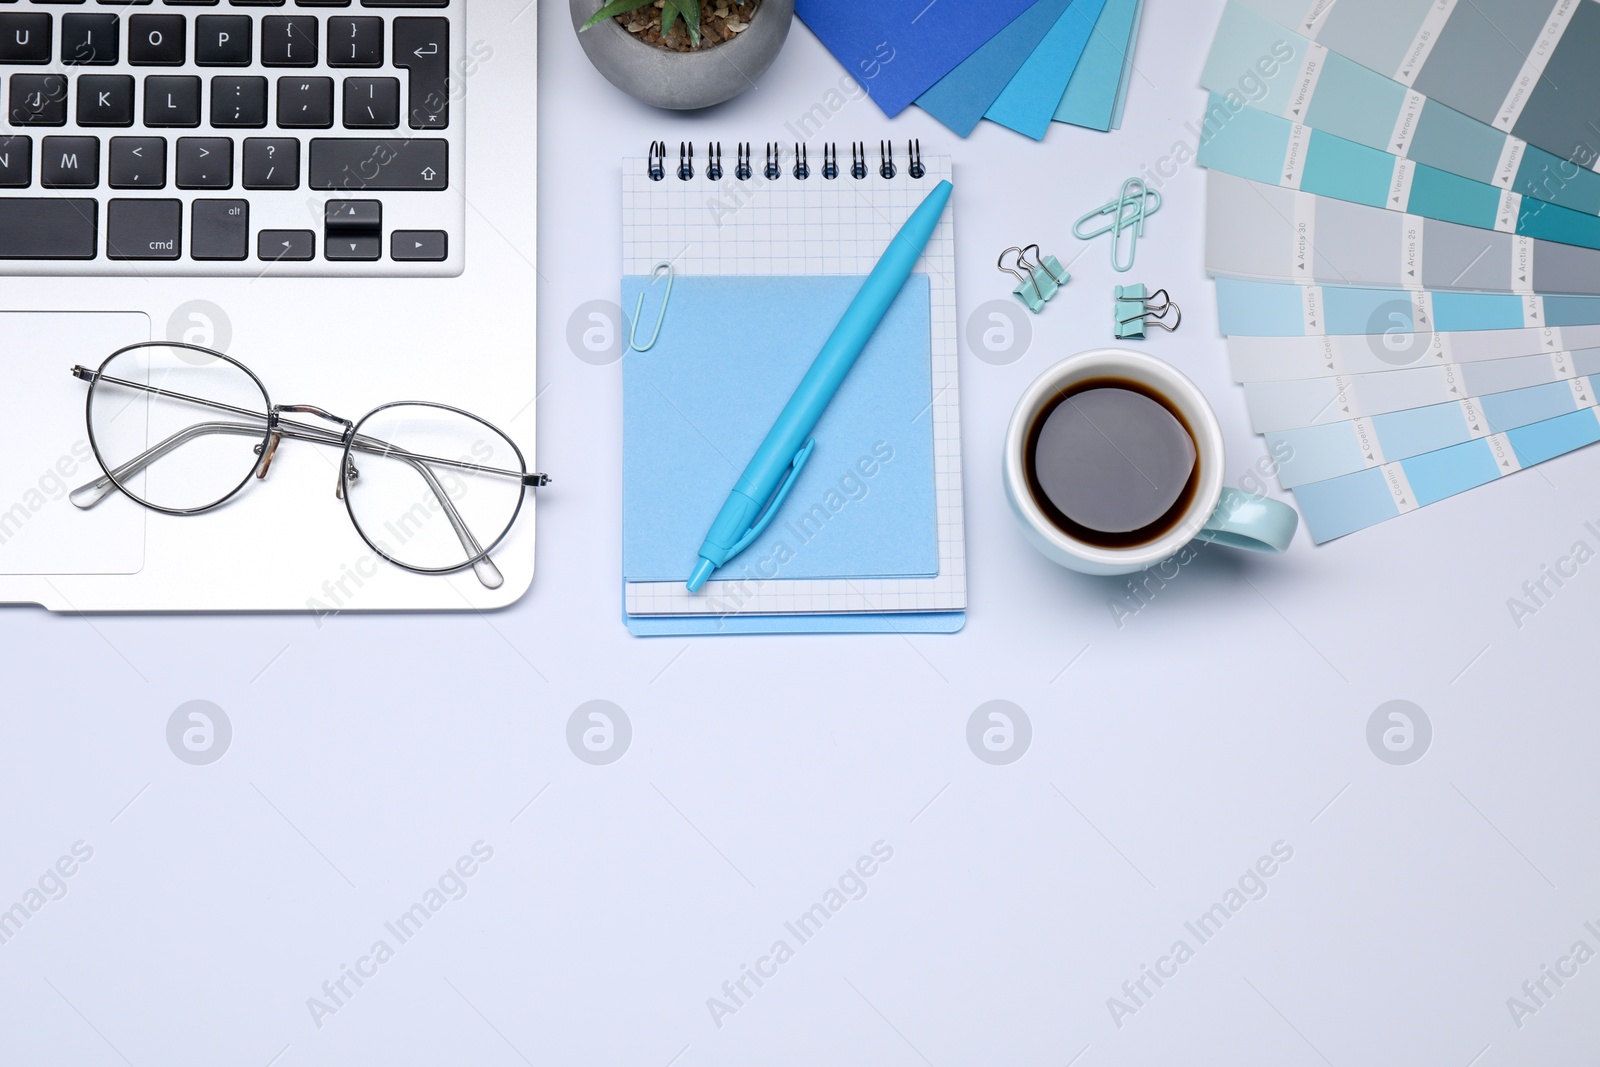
point(44, 447)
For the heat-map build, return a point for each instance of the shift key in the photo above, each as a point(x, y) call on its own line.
point(360, 164)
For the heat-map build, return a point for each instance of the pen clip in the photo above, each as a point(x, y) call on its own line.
point(767, 513)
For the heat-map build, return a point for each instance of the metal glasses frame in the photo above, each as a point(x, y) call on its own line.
point(272, 428)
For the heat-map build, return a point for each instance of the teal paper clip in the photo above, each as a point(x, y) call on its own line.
point(1038, 281)
point(1125, 215)
point(1137, 310)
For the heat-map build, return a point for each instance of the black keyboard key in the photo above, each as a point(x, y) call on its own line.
point(52, 228)
point(356, 165)
point(305, 103)
point(157, 40)
point(405, 3)
point(16, 162)
point(271, 163)
point(355, 41)
point(38, 100)
point(358, 246)
point(144, 229)
point(293, 245)
point(205, 163)
point(239, 102)
point(289, 41)
point(346, 215)
point(219, 229)
point(371, 103)
point(417, 246)
point(171, 100)
point(137, 163)
point(321, 3)
point(422, 46)
point(69, 162)
point(105, 100)
point(223, 40)
point(256, 3)
point(191, 3)
point(90, 39)
point(25, 37)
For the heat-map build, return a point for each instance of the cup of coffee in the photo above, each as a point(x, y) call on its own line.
point(1114, 461)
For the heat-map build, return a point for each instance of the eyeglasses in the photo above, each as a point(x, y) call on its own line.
point(181, 430)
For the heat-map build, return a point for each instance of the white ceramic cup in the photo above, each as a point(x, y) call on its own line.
point(1217, 514)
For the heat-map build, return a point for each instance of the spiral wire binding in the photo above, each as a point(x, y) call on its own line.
point(772, 170)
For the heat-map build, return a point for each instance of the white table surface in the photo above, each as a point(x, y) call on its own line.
point(1168, 754)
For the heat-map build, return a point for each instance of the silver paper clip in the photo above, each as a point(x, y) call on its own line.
point(1126, 214)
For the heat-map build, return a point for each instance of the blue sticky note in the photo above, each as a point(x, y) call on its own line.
point(699, 402)
point(960, 98)
point(897, 49)
point(1091, 97)
point(1029, 101)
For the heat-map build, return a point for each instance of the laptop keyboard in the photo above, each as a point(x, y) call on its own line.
point(231, 137)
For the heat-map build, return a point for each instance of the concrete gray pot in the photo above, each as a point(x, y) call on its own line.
point(684, 80)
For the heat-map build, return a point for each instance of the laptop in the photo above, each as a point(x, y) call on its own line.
point(339, 194)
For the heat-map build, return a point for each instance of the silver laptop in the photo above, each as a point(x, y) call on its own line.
point(339, 195)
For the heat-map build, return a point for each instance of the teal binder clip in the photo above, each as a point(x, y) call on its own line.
point(1038, 281)
point(1137, 310)
point(1125, 215)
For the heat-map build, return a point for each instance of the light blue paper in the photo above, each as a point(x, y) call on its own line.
point(1091, 97)
point(1029, 102)
point(698, 403)
point(960, 98)
point(903, 622)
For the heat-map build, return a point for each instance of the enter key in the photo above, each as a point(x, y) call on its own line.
point(422, 46)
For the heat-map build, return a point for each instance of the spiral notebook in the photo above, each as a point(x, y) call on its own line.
point(767, 248)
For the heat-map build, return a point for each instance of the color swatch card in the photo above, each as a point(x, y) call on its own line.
point(897, 49)
point(1274, 359)
point(1262, 231)
point(1269, 149)
point(1099, 84)
point(1028, 102)
point(1258, 62)
point(870, 536)
point(1526, 67)
point(960, 98)
point(1342, 506)
point(1330, 450)
point(1279, 309)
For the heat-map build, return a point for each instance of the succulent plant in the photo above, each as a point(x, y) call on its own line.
point(671, 11)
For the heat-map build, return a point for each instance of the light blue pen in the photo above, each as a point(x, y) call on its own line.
point(771, 473)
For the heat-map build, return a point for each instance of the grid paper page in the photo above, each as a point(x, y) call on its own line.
point(812, 226)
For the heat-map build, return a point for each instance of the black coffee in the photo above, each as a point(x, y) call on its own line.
point(1112, 463)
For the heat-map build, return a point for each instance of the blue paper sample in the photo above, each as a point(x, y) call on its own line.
point(1029, 102)
point(897, 49)
point(960, 98)
point(699, 402)
point(1100, 78)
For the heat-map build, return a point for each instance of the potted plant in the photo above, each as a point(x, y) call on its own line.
point(682, 54)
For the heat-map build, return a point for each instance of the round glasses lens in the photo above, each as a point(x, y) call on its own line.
point(179, 428)
point(433, 489)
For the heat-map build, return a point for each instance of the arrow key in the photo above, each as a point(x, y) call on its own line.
point(138, 163)
point(358, 246)
point(417, 246)
point(293, 245)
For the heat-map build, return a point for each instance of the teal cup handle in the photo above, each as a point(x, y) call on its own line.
point(1256, 523)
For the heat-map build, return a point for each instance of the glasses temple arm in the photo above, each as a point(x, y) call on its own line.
point(91, 493)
